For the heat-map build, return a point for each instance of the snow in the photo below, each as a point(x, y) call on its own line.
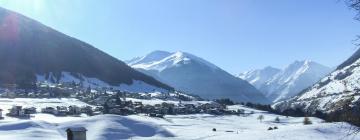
point(66, 77)
point(160, 61)
point(139, 86)
point(177, 127)
point(200, 126)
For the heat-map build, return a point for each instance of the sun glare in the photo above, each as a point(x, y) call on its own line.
point(24, 5)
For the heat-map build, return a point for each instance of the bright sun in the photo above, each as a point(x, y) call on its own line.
point(26, 5)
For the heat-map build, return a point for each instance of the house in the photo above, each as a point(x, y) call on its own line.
point(156, 115)
point(49, 110)
point(76, 133)
point(87, 110)
point(17, 111)
point(122, 111)
point(30, 110)
point(61, 111)
point(74, 110)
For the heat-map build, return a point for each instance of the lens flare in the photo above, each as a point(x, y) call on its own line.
point(9, 27)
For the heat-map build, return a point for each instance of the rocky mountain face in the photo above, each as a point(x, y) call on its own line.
point(197, 76)
point(31, 51)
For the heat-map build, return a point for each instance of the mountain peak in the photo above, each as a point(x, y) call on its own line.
point(160, 60)
point(281, 84)
point(332, 92)
point(153, 56)
point(159, 52)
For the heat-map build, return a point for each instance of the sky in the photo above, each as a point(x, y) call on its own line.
point(236, 35)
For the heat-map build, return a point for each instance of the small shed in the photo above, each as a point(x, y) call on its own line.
point(76, 133)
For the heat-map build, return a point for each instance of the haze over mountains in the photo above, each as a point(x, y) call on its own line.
point(337, 91)
point(31, 52)
point(195, 75)
point(279, 84)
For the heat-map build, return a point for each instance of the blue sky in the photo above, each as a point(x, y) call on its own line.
point(236, 35)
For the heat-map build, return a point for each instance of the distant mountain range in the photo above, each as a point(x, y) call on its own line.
point(279, 84)
point(195, 75)
point(32, 52)
point(333, 92)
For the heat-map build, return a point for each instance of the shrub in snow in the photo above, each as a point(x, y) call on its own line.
point(277, 120)
point(270, 128)
point(307, 121)
point(275, 128)
point(261, 117)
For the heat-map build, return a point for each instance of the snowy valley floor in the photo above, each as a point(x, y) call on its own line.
point(179, 127)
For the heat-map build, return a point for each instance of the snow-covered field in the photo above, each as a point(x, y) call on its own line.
point(179, 127)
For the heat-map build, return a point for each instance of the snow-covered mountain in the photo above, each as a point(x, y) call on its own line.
point(197, 76)
point(279, 84)
point(339, 88)
point(32, 52)
point(259, 77)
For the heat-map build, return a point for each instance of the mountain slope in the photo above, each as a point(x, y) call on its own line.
point(29, 49)
point(278, 84)
point(195, 75)
point(338, 89)
point(259, 77)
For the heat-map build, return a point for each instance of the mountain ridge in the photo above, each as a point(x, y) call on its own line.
point(338, 90)
point(29, 48)
point(194, 75)
point(281, 84)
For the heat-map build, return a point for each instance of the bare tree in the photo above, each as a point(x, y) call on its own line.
point(354, 4)
point(261, 117)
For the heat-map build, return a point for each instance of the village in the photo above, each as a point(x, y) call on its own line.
point(108, 101)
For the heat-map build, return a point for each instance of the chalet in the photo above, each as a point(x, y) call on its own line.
point(148, 109)
point(190, 108)
point(138, 104)
point(87, 110)
point(74, 110)
point(17, 111)
point(156, 115)
point(214, 112)
point(61, 111)
point(138, 107)
point(30, 110)
point(122, 111)
point(49, 110)
point(111, 103)
point(76, 133)
point(212, 105)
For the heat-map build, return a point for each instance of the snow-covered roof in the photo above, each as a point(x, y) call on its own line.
point(76, 129)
